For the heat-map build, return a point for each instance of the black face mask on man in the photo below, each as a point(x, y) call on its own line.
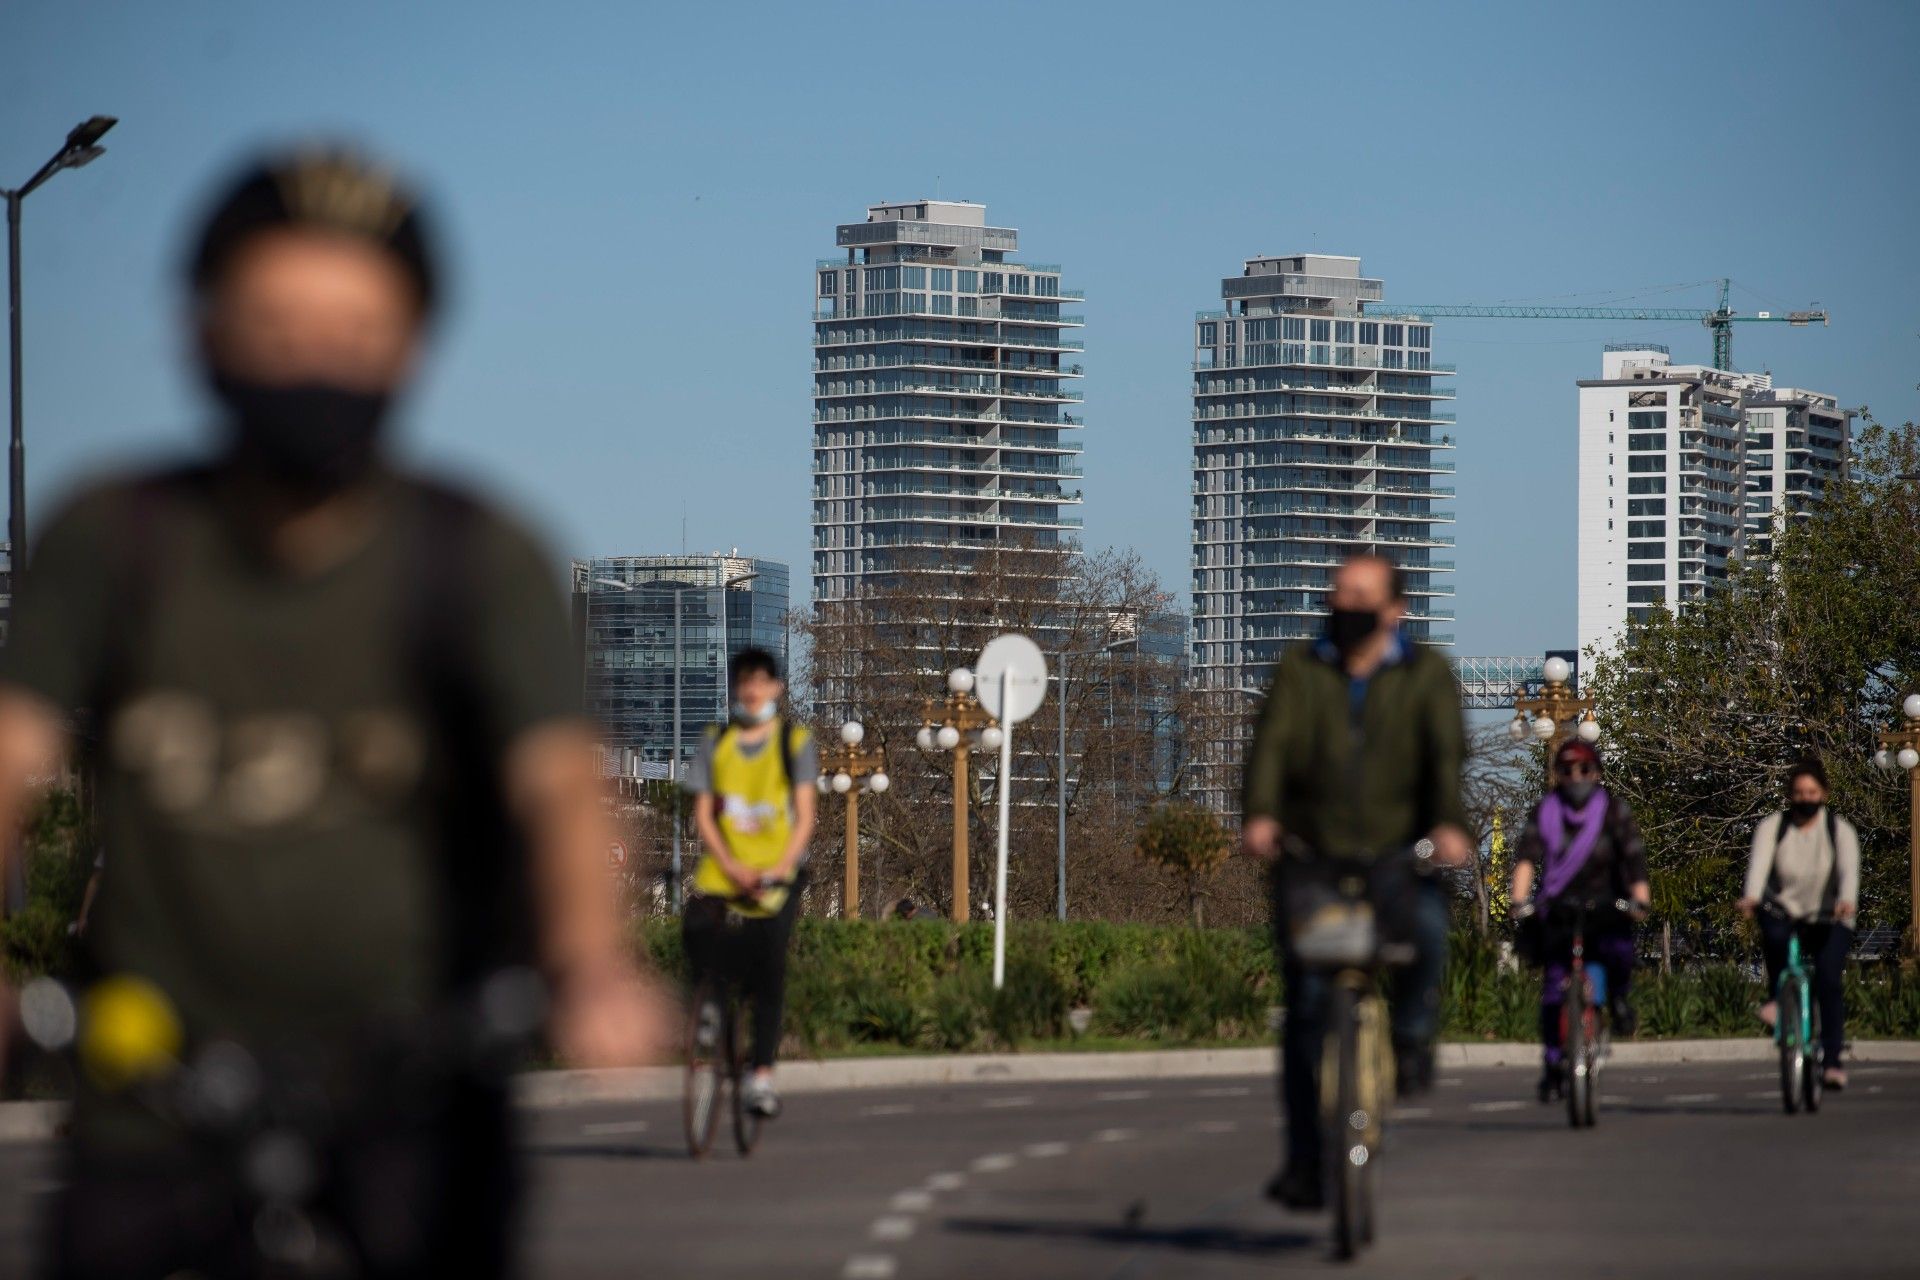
point(1348, 629)
point(1577, 791)
point(1802, 811)
point(314, 438)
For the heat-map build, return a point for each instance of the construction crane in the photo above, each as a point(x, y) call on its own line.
point(1721, 319)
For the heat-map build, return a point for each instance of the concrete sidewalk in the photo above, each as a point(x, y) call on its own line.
point(37, 1121)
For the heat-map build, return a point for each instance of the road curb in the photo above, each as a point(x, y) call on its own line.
point(38, 1121)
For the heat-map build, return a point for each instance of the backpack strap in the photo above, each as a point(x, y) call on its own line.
point(787, 751)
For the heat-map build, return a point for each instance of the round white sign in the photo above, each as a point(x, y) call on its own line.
point(1019, 657)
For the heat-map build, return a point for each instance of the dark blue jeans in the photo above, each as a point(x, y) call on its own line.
point(1414, 994)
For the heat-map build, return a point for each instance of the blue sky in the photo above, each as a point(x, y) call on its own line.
point(634, 197)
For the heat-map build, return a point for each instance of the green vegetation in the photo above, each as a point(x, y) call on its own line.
point(863, 987)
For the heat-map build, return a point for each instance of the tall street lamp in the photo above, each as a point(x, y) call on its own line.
point(1900, 749)
point(81, 148)
point(957, 723)
point(1060, 778)
point(1556, 713)
point(845, 769)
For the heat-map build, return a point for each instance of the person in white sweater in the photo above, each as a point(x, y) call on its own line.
point(1805, 869)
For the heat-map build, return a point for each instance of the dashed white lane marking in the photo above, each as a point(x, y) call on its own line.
point(612, 1127)
point(994, 1163)
point(1647, 1080)
point(1002, 1103)
point(1044, 1150)
point(1874, 1088)
point(911, 1202)
point(1216, 1126)
point(1239, 1091)
point(1685, 1099)
point(1495, 1106)
point(1410, 1113)
point(1113, 1135)
point(869, 1266)
point(1449, 1083)
point(889, 1109)
point(892, 1228)
point(1614, 1100)
point(946, 1181)
point(1758, 1075)
point(1122, 1095)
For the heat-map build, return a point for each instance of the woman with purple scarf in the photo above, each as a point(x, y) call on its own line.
point(1584, 845)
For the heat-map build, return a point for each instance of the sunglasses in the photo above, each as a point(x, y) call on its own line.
point(1581, 769)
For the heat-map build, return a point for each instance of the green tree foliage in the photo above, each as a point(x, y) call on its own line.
point(1190, 842)
point(1807, 652)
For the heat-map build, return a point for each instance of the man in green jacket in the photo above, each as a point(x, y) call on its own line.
point(1357, 753)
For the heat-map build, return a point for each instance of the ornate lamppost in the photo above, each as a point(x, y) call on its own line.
point(1555, 713)
point(846, 769)
point(1900, 749)
point(958, 723)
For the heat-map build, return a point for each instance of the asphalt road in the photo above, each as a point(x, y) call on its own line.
point(1693, 1171)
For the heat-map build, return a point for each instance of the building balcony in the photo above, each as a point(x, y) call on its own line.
point(1217, 387)
point(832, 418)
point(1261, 435)
point(1328, 362)
point(940, 389)
point(846, 364)
point(1237, 412)
point(941, 336)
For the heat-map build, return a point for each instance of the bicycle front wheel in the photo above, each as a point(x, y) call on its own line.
point(706, 1070)
point(1793, 1056)
point(1576, 1048)
point(746, 1124)
point(1348, 1122)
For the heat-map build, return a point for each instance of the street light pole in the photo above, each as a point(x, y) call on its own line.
point(957, 716)
point(1900, 749)
point(843, 769)
point(81, 148)
point(1060, 799)
point(1555, 713)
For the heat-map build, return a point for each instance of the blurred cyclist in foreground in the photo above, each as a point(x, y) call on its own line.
point(1357, 754)
point(342, 773)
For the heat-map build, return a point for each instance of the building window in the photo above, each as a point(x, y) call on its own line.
point(1209, 334)
point(1646, 551)
point(1645, 399)
point(1369, 333)
point(1396, 335)
point(1322, 331)
point(1653, 484)
point(1646, 528)
point(1647, 444)
point(1646, 422)
point(1646, 573)
point(1294, 328)
point(1419, 335)
point(943, 278)
point(828, 280)
point(1343, 331)
point(1649, 462)
point(1646, 595)
point(1646, 506)
point(969, 282)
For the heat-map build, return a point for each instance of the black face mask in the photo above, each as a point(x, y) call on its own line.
point(1351, 628)
point(313, 438)
point(1577, 791)
point(1802, 810)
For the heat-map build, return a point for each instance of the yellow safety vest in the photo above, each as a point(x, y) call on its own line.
point(756, 805)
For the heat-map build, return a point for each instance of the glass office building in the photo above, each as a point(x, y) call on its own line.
point(1317, 434)
point(625, 617)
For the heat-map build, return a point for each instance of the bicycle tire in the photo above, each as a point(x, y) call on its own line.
point(1811, 1084)
point(1573, 1051)
point(1792, 1054)
point(1347, 1177)
point(746, 1125)
point(704, 1081)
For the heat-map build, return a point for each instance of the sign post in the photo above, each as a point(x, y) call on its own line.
point(1011, 681)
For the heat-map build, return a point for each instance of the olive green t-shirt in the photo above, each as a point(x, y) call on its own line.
point(270, 796)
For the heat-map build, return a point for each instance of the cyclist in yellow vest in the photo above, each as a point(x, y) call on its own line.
point(754, 785)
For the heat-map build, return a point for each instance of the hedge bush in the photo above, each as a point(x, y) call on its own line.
point(921, 985)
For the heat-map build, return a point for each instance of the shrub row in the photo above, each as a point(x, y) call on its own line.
point(924, 985)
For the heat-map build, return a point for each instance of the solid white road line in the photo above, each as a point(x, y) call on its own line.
point(1495, 1106)
point(1685, 1099)
point(1236, 1092)
point(888, 1109)
point(868, 1266)
point(997, 1104)
point(1122, 1095)
point(1215, 1126)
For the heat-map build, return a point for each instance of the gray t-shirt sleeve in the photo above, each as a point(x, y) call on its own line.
point(806, 762)
point(698, 778)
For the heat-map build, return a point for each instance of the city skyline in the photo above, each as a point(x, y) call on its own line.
point(591, 371)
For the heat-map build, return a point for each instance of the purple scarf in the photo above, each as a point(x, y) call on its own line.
point(1564, 859)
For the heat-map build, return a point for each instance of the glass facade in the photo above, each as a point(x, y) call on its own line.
point(624, 610)
point(1317, 434)
point(943, 386)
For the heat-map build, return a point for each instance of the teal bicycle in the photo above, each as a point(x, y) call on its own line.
point(1796, 1028)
